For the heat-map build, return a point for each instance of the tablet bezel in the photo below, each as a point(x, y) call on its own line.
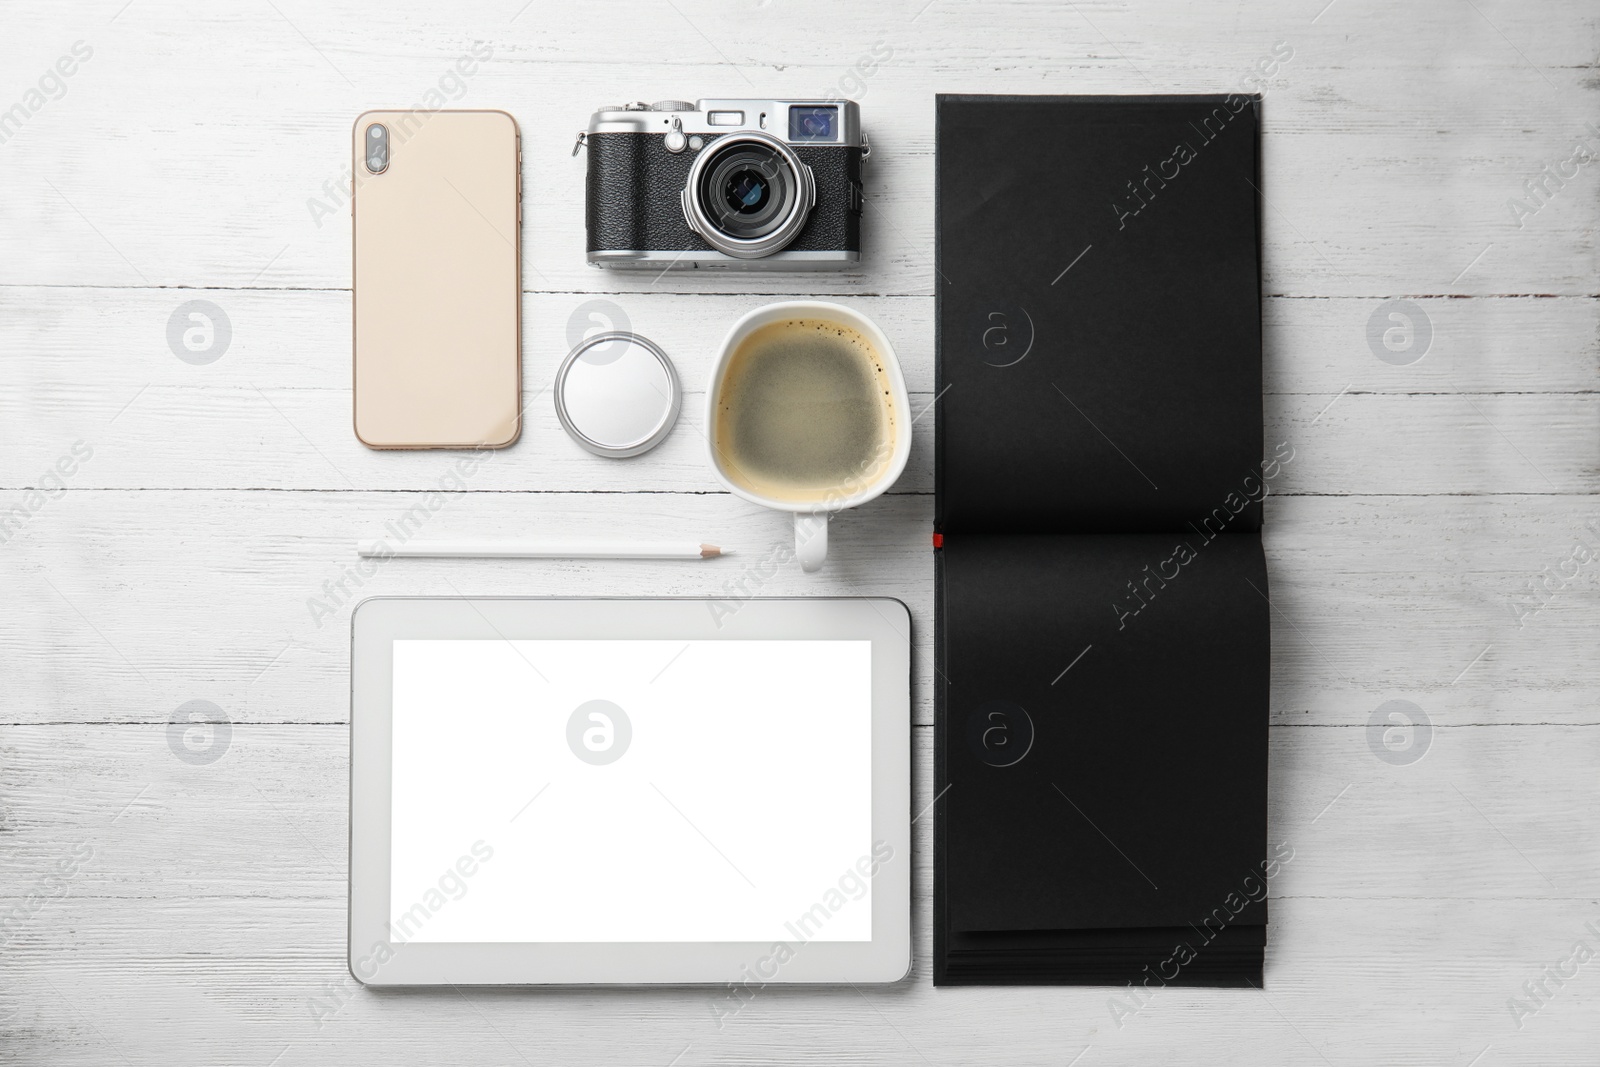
point(376, 959)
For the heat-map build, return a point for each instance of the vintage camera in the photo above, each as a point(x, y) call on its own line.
point(772, 184)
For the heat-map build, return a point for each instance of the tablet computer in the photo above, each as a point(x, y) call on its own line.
point(662, 791)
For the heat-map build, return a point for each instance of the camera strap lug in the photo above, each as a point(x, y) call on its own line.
point(866, 147)
point(583, 139)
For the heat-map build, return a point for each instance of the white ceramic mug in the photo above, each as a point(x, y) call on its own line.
point(811, 517)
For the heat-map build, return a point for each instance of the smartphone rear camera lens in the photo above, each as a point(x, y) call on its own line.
point(377, 148)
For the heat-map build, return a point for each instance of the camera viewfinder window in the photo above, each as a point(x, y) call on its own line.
point(813, 124)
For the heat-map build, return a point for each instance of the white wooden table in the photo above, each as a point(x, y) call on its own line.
point(177, 896)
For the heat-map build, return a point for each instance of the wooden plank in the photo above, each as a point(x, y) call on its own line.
point(249, 949)
point(128, 604)
point(267, 818)
point(1388, 170)
point(1502, 402)
point(297, 339)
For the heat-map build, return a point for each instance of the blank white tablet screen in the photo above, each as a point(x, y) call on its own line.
point(630, 791)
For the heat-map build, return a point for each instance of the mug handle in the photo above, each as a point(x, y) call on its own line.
point(811, 539)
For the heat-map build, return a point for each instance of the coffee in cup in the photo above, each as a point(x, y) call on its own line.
point(805, 410)
point(808, 413)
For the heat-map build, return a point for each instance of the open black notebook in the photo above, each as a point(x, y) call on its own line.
point(1102, 637)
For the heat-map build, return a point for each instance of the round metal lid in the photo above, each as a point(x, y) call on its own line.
point(617, 394)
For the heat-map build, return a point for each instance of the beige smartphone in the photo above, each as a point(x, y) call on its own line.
point(437, 268)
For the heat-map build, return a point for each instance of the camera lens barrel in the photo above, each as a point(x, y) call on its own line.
point(748, 195)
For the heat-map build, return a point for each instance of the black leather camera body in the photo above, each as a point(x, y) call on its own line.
point(751, 184)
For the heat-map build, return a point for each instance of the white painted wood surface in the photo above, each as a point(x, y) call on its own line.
point(176, 564)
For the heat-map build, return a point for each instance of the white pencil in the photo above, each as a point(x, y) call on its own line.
point(541, 549)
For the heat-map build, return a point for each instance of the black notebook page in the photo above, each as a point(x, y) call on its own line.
point(1143, 800)
point(1099, 322)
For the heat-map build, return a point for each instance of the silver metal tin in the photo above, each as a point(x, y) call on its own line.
point(617, 394)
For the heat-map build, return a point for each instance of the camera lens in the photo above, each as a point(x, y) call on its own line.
point(747, 192)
